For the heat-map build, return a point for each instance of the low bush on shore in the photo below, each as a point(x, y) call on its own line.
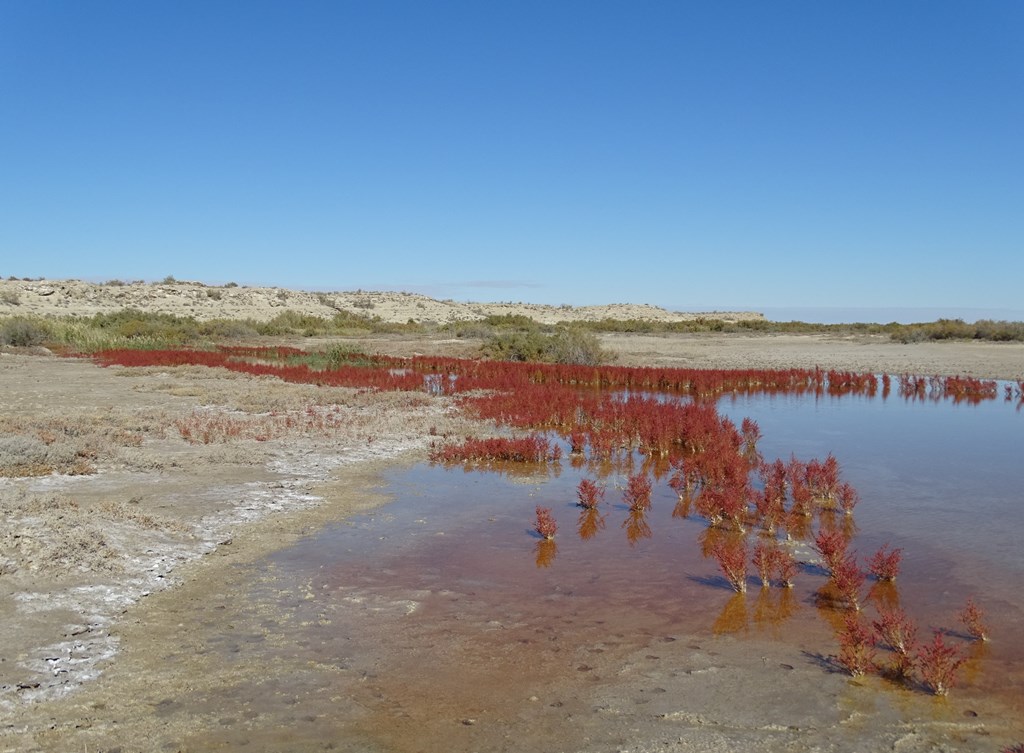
point(514, 338)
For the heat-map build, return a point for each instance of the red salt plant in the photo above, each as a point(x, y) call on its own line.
point(803, 499)
point(848, 579)
point(531, 449)
point(796, 526)
point(770, 504)
point(732, 559)
point(896, 629)
point(885, 565)
point(974, 620)
point(638, 492)
point(684, 478)
point(1018, 748)
point(751, 434)
point(856, 646)
point(938, 664)
point(785, 566)
point(822, 478)
point(763, 561)
point(848, 498)
point(589, 494)
point(831, 545)
point(545, 524)
point(899, 632)
point(577, 442)
point(768, 510)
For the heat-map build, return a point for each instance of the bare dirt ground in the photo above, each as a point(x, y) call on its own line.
point(126, 552)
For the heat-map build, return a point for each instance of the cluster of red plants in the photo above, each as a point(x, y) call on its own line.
point(385, 372)
point(775, 562)
point(731, 555)
point(638, 492)
point(935, 664)
point(955, 388)
point(714, 467)
point(530, 449)
point(885, 564)
point(589, 494)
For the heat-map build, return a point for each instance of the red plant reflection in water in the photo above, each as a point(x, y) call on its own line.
point(590, 522)
point(637, 527)
point(544, 552)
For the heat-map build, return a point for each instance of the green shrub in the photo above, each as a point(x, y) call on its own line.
point(564, 345)
point(229, 329)
point(22, 332)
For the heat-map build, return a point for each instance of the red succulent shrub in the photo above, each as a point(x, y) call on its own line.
point(785, 566)
point(899, 633)
point(763, 561)
point(938, 664)
point(856, 646)
point(732, 559)
point(974, 620)
point(831, 545)
point(848, 579)
point(638, 492)
point(577, 442)
point(848, 498)
point(531, 449)
point(545, 524)
point(589, 494)
point(885, 565)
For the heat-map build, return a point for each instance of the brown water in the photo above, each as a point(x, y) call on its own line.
point(447, 624)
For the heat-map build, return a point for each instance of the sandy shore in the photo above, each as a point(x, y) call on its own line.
point(107, 625)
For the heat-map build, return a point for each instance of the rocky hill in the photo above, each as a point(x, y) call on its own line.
point(204, 302)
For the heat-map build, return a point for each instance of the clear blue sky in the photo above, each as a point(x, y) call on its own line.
point(725, 153)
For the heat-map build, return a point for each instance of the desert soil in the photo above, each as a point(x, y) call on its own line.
point(126, 575)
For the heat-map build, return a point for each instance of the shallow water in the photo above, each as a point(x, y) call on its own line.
point(448, 607)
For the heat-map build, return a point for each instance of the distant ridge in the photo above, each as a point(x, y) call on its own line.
point(205, 302)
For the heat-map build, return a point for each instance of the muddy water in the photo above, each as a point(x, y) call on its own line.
point(442, 622)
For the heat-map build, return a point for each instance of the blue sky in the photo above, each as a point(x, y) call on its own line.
point(782, 156)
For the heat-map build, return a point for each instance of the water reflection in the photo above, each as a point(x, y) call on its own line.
point(773, 607)
point(637, 527)
point(590, 522)
point(683, 507)
point(733, 617)
point(544, 552)
point(885, 595)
